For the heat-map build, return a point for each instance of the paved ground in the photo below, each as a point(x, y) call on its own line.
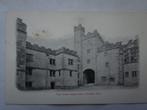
point(89, 87)
point(94, 87)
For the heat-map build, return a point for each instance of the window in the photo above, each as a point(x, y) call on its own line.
point(111, 79)
point(29, 58)
point(125, 61)
point(20, 43)
point(70, 73)
point(134, 73)
point(133, 59)
point(52, 61)
point(28, 84)
point(126, 74)
point(29, 71)
point(88, 61)
point(133, 50)
point(59, 73)
point(103, 78)
point(52, 73)
point(133, 54)
point(126, 57)
point(20, 61)
point(70, 61)
point(21, 58)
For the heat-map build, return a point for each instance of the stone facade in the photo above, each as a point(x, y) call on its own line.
point(131, 62)
point(86, 46)
point(94, 61)
point(21, 36)
point(108, 64)
point(102, 63)
point(44, 68)
point(36, 67)
point(48, 67)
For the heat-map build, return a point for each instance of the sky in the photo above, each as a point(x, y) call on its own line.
point(55, 29)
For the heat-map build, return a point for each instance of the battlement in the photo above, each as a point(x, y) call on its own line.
point(20, 26)
point(109, 46)
point(132, 42)
point(92, 34)
point(66, 51)
point(79, 28)
point(89, 34)
point(36, 47)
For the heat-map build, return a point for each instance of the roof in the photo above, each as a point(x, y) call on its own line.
point(109, 46)
point(118, 45)
point(64, 50)
point(36, 47)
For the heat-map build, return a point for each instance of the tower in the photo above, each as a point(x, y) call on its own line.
point(79, 33)
point(21, 36)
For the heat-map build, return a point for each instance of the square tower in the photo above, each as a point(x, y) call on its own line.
point(21, 36)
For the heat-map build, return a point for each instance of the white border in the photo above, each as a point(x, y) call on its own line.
point(15, 96)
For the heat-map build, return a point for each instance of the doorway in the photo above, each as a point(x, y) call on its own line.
point(52, 85)
point(89, 76)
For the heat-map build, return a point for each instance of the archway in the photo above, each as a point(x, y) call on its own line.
point(52, 85)
point(89, 76)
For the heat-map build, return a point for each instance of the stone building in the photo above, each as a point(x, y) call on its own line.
point(48, 68)
point(102, 63)
point(36, 67)
point(44, 68)
point(67, 63)
point(109, 64)
point(93, 62)
point(21, 36)
point(86, 46)
point(131, 62)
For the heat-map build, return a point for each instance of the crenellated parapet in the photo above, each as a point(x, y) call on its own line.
point(79, 28)
point(21, 26)
point(36, 47)
point(109, 46)
point(49, 51)
point(66, 51)
point(95, 33)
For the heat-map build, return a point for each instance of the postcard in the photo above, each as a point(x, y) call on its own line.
point(75, 57)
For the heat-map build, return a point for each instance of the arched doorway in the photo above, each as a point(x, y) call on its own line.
point(52, 85)
point(89, 76)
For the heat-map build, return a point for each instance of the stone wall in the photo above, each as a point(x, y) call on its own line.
point(108, 67)
point(21, 36)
